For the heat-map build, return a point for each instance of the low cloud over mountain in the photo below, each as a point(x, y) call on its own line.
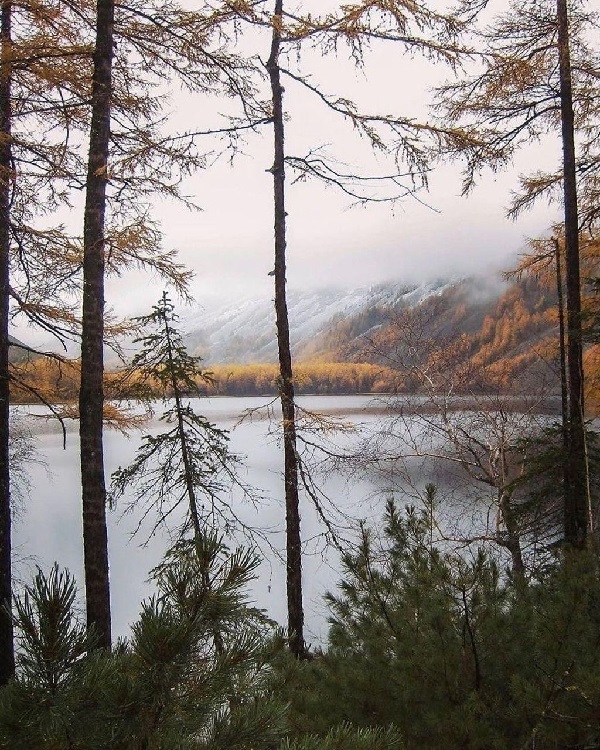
point(244, 331)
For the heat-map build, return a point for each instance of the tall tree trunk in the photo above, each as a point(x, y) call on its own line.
point(91, 394)
point(575, 517)
point(564, 388)
point(286, 383)
point(7, 659)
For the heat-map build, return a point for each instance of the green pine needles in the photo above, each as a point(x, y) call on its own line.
point(196, 674)
point(451, 650)
point(188, 465)
point(51, 639)
point(193, 674)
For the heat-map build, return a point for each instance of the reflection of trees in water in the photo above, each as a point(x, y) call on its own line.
point(23, 455)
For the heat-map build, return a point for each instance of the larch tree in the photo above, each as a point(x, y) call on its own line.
point(540, 76)
point(545, 261)
point(91, 393)
point(576, 516)
point(286, 384)
point(191, 46)
point(418, 29)
point(42, 50)
point(7, 662)
point(50, 108)
point(15, 152)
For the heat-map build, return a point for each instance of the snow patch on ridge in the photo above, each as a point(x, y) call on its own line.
point(244, 331)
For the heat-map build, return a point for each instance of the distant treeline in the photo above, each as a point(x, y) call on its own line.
point(59, 381)
point(310, 377)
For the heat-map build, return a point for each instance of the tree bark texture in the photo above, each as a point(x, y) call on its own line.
point(91, 396)
point(286, 383)
point(512, 540)
point(564, 387)
point(575, 516)
point(7, 660)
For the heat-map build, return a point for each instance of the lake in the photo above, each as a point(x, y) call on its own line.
point(48, 527)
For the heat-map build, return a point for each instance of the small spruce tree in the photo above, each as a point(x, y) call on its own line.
point(189, 464)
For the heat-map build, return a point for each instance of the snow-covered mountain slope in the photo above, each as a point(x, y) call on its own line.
point(243, 330)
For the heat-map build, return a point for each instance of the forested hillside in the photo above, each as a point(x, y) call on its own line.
point(486, 334)
point(242, 330)
point(502, 337)
point(507, 340)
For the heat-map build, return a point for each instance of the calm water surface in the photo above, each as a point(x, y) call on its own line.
point(49, 524)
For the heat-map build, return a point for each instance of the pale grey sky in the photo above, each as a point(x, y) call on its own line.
point(229, 244)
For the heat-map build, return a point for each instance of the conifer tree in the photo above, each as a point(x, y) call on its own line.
point(36, 45)
point(6, 170)
point(286, 385)
point(190, 464)
point(196, 672)
point(193, 674)
point(576, 475)
point(539, 71)
point(446, 649)
point(144, 164)
point(91, 393)
point(398, 136)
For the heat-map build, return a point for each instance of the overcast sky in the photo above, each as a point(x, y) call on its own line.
point(229, 244)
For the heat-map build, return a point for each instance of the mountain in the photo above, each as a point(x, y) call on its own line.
point(18, 351)
point(466, 336)
point(245, 331)
point(456, 336)
point(471, 333)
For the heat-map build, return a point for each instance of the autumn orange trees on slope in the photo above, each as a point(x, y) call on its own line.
point(500, 338)
point(545, 260)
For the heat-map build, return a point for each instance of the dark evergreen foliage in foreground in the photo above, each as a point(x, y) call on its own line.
point(428, 649)
point(432, 645)
point(451, 652)
point(192, 675)
point(196, 672)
